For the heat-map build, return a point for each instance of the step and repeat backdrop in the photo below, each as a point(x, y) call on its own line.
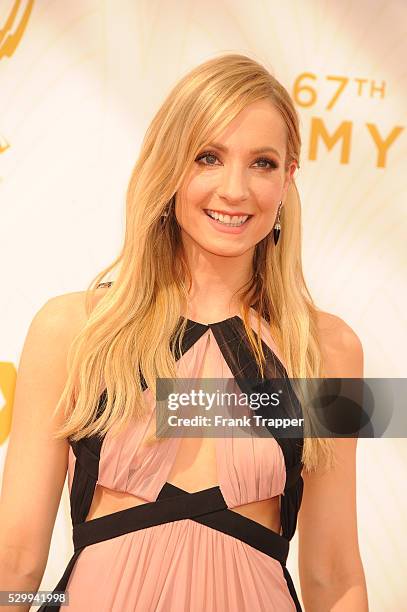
point(79, 83)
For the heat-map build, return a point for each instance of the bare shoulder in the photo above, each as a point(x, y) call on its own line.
point(334, 330)
point(55, 325)
point(341, 346)
point(67, 312)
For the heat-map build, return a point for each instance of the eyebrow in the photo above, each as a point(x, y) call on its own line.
point(217, 145)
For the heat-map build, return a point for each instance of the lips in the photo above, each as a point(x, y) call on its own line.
point(225, 228)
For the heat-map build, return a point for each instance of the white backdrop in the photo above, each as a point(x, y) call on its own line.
point(79, 83)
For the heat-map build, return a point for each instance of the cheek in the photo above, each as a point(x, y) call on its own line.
point(199, 189)
point(267, 197)
point(193, 197)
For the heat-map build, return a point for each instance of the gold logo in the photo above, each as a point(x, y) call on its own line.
point(8, 377)
point(12, 33)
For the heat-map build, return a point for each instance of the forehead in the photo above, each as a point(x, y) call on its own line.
point(259, 124)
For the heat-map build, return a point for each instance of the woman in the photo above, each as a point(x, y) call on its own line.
point(209, 284)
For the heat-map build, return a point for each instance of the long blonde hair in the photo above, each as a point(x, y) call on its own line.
point(129, 330)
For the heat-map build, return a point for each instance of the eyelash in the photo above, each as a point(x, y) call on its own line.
point(274, 165)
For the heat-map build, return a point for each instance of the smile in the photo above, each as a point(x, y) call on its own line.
point(229, 220)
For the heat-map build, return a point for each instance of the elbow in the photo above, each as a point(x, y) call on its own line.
point(19, 570)
point(338, 565)
point(330, 590)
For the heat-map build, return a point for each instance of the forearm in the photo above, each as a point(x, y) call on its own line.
point(345, 595)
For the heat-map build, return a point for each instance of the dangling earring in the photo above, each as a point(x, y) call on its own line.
point(277, 225)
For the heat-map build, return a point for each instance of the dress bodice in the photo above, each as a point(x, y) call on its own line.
point(249, 467)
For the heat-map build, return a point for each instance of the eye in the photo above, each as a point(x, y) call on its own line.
point(206, 154)
point(209, 154)
point(272, 163)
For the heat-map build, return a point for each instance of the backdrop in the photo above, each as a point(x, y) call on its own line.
point(79, 83)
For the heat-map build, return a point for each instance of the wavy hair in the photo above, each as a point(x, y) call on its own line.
point(131, 329)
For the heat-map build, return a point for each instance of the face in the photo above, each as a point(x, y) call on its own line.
point(230, 178)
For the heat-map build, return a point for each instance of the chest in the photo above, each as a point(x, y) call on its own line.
point(195, 464)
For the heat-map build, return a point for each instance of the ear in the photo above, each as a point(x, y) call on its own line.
point(288, 178)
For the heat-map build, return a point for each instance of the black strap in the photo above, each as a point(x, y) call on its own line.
point(293, 474)
point(207, 507)
point(88, 460)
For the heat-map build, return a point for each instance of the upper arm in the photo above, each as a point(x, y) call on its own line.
point(36, 464)
point(327, 520)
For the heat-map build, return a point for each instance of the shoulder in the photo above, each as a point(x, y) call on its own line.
point(65, 313)
point(341, 347)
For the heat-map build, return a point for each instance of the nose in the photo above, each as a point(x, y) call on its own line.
point(233, 184)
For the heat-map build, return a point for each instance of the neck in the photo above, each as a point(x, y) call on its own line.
point(217, 281)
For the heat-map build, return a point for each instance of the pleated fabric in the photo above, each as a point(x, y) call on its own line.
point(179, 566)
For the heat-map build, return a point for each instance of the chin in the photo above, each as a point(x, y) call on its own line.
point(223, 251)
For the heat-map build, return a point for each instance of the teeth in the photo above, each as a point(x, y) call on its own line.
point(232, 220)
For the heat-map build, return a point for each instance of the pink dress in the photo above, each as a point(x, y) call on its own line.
point(184, 551)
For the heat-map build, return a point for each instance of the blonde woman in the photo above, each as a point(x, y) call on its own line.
point(208, 284)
